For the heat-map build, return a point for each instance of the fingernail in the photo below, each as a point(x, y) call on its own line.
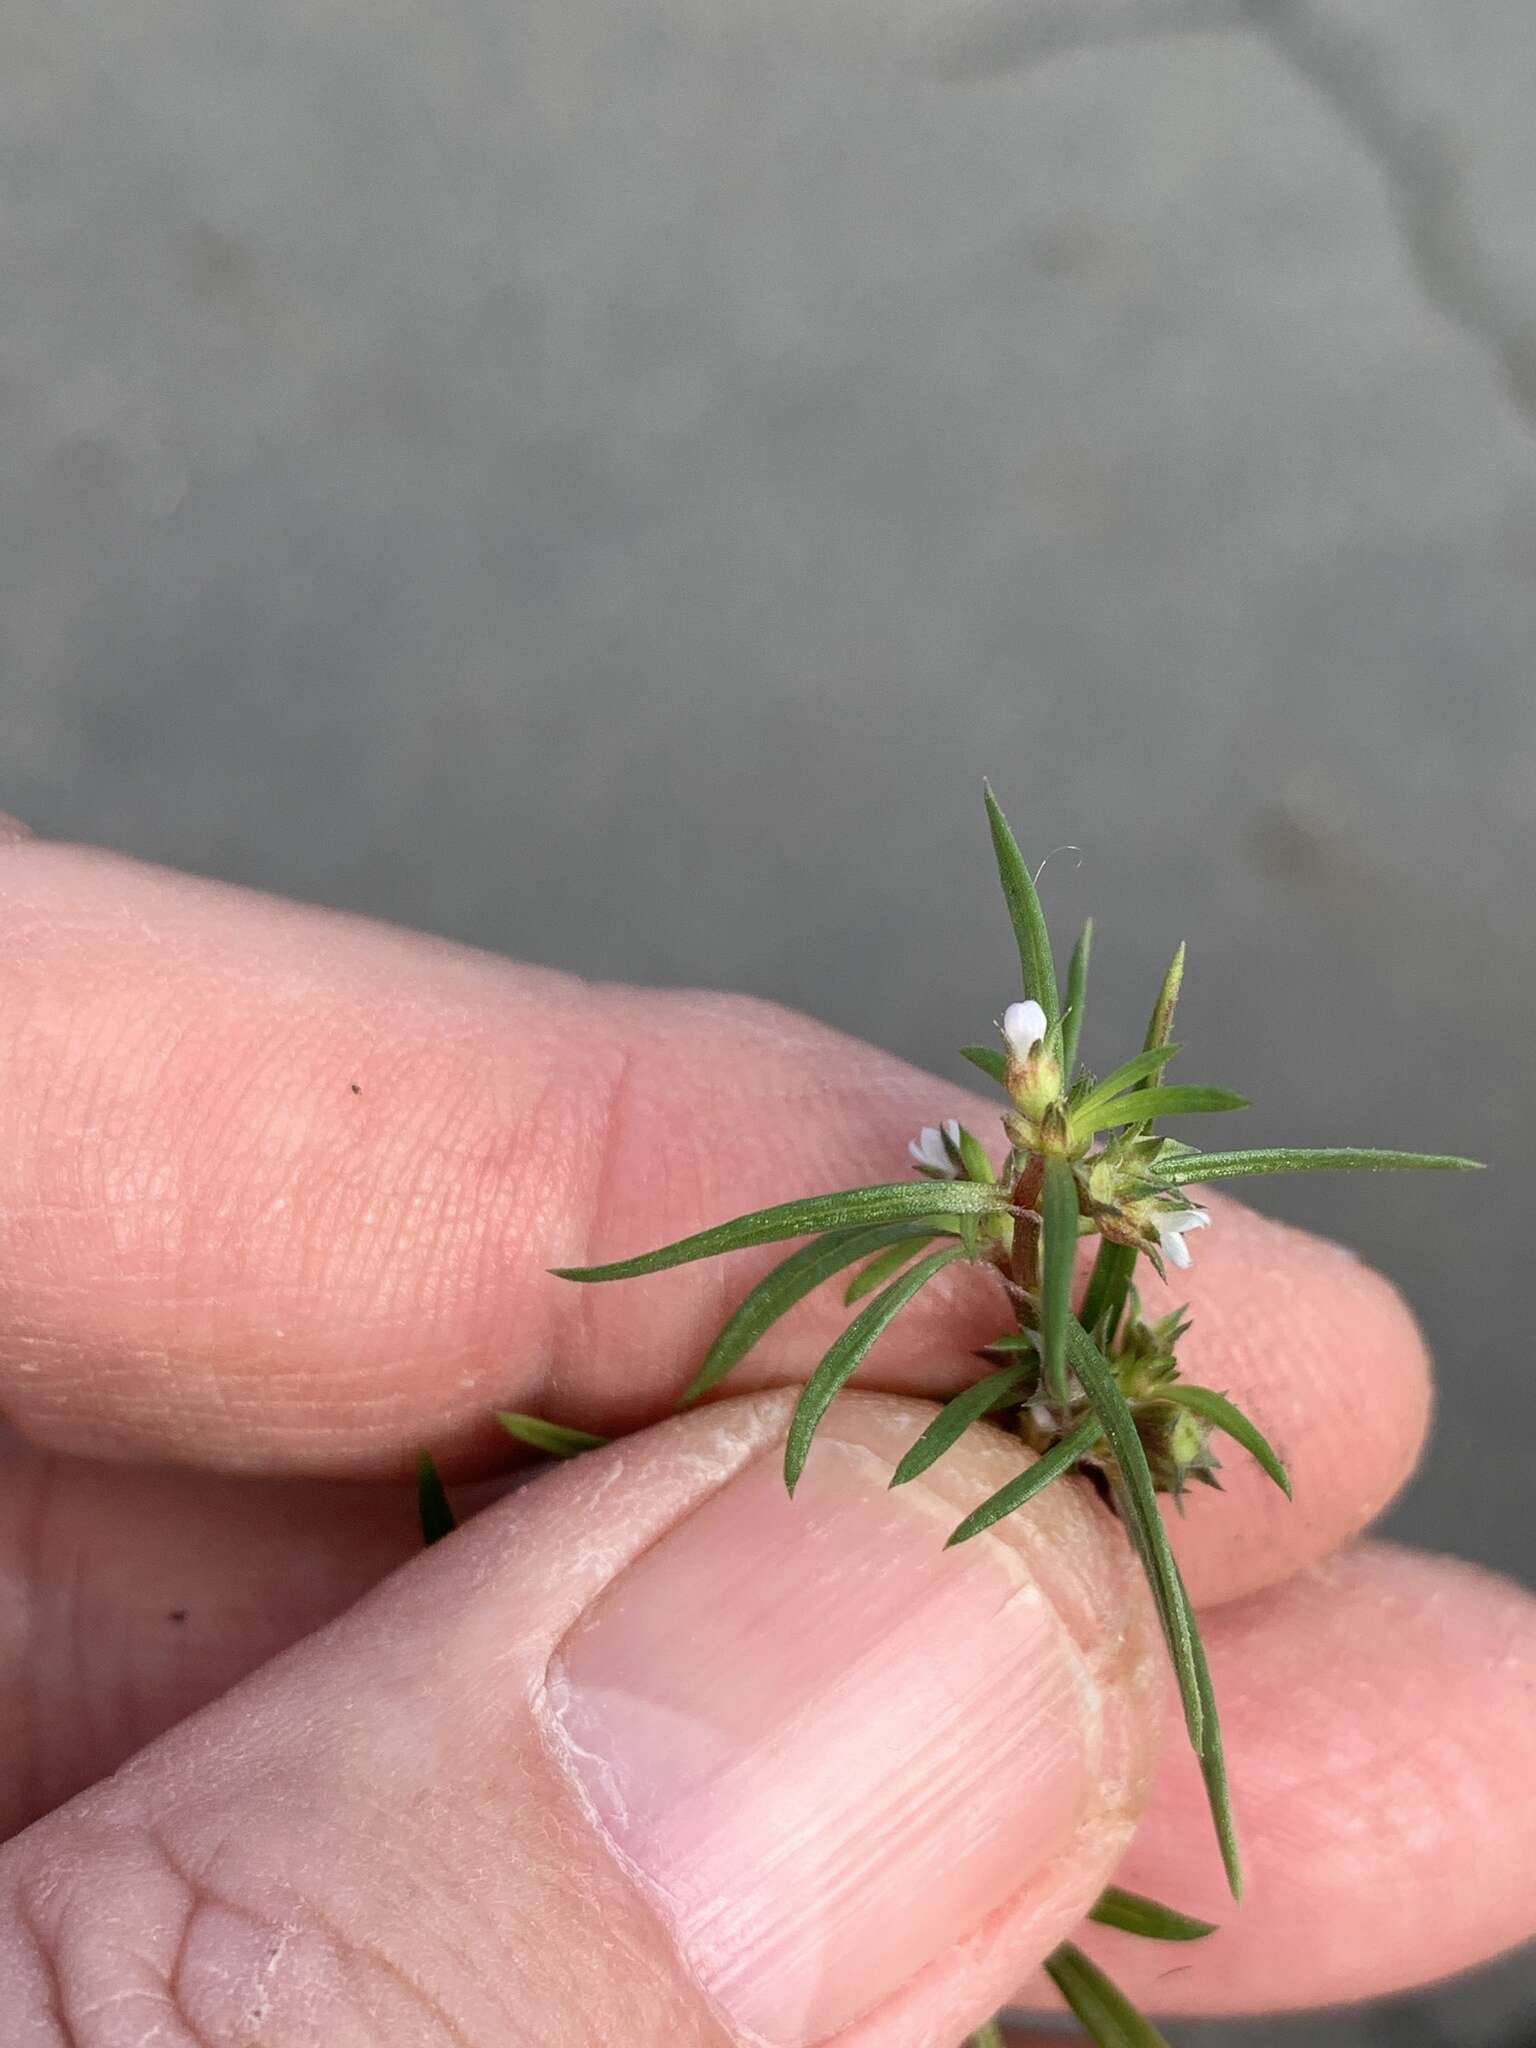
point(827, 1746)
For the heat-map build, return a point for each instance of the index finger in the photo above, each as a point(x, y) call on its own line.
point(280, 1188)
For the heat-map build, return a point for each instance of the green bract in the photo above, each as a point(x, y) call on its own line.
point(1095, 1388)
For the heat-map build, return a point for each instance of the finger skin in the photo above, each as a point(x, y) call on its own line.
point(374, 1839)
point(1380, 1724)
point(129, 1598)
point(279, 1190)
point(228, 1551)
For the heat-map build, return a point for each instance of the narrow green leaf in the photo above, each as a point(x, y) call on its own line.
point(1208, 1748)
point(1171, 1614)
point(850, 1209)
point(1138, 1498)
point(1077, 991)
point(1192, 1166)
point(437, 1517)
point(1060, 1458)
point(1114, 1267)
point(1160, 1023)
point(1028, 919)
point(1232, 1422)
point(1141, 1104)
point(1058, 1249)
point(973, 1156)
point(789, 1282)
point(1013, 1340)
point(1106, 2014)
point(1133, 1913)
point(1208, 1745)
point(956, 1417)
point(1213, 1763)
point(886, 1266)
point(552, 1438)
point(993, 1064)
point(845, 1356)
point(1129, 1075)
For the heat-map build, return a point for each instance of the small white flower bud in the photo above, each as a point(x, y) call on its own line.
point(1171, 1227)
point(929, 1151)
point(1023, 1028)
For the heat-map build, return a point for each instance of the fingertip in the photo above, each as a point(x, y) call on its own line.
point(1379, 1731)
point(1325, 1355)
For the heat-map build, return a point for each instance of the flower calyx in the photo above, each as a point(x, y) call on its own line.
point(1033, 1074)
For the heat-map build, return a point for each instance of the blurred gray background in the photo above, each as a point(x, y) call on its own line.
point(605, 478)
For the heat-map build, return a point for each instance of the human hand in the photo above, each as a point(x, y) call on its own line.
point(646, 1753)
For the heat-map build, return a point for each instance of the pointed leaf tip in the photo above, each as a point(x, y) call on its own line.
point(1019, 1491)
point(1185, 1167)
point(990, 1061)
point(432, 1505)
point(1226, 1416)
point(1077, 991)
point(1134, 1913)
point(1160, 1023)
point(850, 1208)
point(1031, 934)
point(554, 1439)
point(957, 1416)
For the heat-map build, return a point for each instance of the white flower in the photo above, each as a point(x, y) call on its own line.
point(1023, 1028)
point(1171, 1227)
point(928, 1149)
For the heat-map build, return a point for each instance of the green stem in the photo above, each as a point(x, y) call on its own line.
point(1109, 1283)
point(989, 2036)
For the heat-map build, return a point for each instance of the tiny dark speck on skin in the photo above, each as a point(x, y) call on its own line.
point(177, 1614)
point(357, 1087)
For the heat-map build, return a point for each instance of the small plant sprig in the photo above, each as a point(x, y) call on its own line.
point(1093, 1388)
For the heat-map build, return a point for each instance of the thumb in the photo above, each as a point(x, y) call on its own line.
point(647, 1752)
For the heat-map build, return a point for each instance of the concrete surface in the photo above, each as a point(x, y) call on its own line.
point(606, 481)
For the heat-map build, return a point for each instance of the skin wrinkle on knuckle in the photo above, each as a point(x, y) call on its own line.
point(128, 1943)
point(90, 1971)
